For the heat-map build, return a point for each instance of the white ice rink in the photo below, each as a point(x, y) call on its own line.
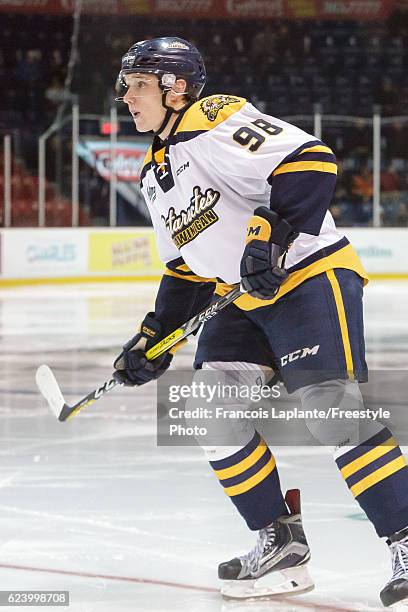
point(93, 506)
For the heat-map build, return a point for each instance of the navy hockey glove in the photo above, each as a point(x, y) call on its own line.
point(132, 367)
point(268, 238)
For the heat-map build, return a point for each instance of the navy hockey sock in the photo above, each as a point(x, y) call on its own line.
point(250, 478)
point(376, 473)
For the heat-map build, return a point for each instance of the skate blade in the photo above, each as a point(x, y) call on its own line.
point(399, 606)
point(287, 582)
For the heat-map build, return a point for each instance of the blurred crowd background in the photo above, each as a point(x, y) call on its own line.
point(349, 69)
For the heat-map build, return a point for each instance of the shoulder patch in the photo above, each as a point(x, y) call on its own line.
point(212, 105)
point(206, 114)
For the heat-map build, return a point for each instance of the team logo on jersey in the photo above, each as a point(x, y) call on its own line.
point(187, 224)
point(212, 106)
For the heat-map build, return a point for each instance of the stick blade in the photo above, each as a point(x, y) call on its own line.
point(49, 389)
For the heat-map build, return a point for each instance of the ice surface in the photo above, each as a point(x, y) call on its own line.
point(93, 506)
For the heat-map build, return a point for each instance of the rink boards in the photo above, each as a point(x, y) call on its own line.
point(89, 254)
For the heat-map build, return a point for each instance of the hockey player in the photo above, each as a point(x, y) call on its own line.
point(230, 191)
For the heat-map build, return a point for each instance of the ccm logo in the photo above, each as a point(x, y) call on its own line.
point(299, 354)
point(207, 314)
point(182, 168)
point(106, 387)
point(254, 231)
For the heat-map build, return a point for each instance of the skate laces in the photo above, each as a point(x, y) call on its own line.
point(252, 560)
point(399, 553)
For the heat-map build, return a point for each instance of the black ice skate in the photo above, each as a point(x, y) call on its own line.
point(396, 590)
point(277, 564)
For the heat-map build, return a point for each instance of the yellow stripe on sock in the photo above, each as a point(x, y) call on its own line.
point(245, 486)
point(243, 465)
point(341, 313)
point(368, 457)
point(306, 166)
point(378, 475)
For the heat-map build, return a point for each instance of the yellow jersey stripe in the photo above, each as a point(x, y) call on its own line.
point(368, 457)
point(223, 288)
point(317, 149)
point(378, 475)
point(245, 486)
point(243, 465)
point(346, 258)
point(193, 278)
point(306, 166)
point(341, 313)
point(158, 156)
point(183, 268)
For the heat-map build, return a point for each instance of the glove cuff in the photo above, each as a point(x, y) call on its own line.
point(282, 232)
point(150, 328)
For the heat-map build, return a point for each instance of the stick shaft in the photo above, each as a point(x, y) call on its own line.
point(190, 326)
point(158, 349)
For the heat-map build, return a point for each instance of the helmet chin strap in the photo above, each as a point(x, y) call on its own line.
point(169, 112)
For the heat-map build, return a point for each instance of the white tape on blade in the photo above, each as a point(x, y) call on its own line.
point(49, 388)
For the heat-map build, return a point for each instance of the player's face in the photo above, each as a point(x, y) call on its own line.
point(144, 100)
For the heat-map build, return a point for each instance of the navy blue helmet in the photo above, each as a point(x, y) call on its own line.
point(168, 55)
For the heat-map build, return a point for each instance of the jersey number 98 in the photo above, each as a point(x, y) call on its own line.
point(248, 137)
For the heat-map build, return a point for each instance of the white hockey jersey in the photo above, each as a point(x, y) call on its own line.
point(222, 160)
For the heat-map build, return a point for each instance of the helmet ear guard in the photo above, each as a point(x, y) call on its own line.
point(167, 81)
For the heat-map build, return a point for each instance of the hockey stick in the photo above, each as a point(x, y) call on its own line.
point(50, 389)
